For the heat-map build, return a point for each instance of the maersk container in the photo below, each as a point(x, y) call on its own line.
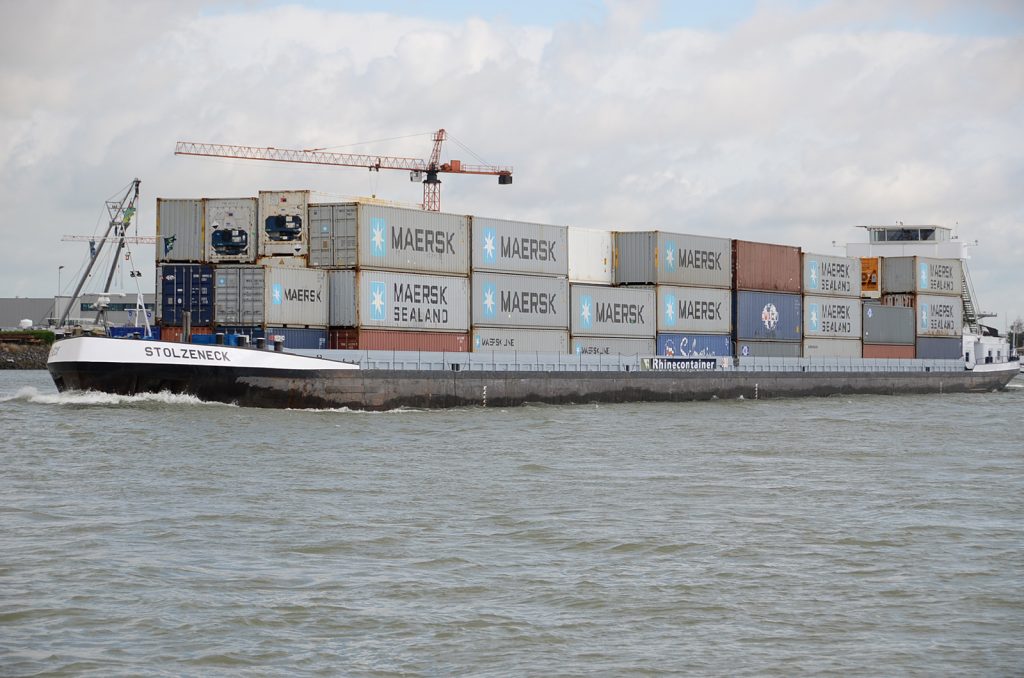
point(906, 275)
point(295, 297)
point(694, 345)
point(831, 276)
point(231, 234)
point(179, 230)
point(698, 310)
point(890, 351)
point(333, 235)
point(939, 348)
point(526, 301)
point(590, 256)
point(238, 295)
point(835, 317)
point(613, 346)
point(818, 347)
point(412, 240)
point(509, 340)
point(601, 311)
point(503, 246)
point(658, 257)
point(768, 349)
point(342, 298)
point(939, 316)
point(284, 223)
point(412, 301)
point(766, 268)
point(185, 287)
point(888, 325)
point(402, 340)
point(298, 337)
point(767, 316)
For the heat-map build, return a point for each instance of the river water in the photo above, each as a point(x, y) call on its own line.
point(160, 535)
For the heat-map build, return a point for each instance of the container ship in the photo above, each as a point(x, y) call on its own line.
point(278, 301)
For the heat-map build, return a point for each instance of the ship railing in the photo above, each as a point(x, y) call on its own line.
point(559, 362)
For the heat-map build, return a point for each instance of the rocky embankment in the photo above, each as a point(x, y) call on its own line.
point(23, 356)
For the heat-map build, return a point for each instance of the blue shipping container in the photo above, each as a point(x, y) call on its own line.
point(768, 316)
point(185, 287)
point(295, 337)
point(231, 333)
point(939, 348)
point(141, 331)
point(676, 344)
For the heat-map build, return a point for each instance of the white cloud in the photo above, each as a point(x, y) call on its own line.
point(790, 127)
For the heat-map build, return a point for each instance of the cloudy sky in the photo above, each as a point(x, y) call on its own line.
point(780, 121)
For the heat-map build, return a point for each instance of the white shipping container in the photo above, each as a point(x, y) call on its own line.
point(832, 348)
point(602, 311)
point(296, 297)
point(231, 235)
point(694, 310)
point(506, 246)
point(613, 346)
point(505, 300)
point(239, 295)
point(412, 240)
point(590, 256)
point(283, 223)
point(939, 316)
point(837, 317)
point(179, 230)
point(412, 301)
point(831, 276)
point(510, 339)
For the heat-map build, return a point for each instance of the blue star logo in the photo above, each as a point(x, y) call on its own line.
point(276, 294)
point(924, 316)
point(579, 349)
point(378, 301)
point(586, 312)
point(815, 321)
point(813, 275)
point(670, 255)
point(923, 285)
point(489, 246)
point(476, 341)
point(489, 300)
point(669, 310)
point(378, 237)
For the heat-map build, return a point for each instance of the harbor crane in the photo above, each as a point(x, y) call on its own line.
point(426, 170)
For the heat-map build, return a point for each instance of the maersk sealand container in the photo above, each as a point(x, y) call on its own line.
point(659, 257)
point(504, 246)
point(923, 275)
point(527, 301)
point(768, 316)
point(834, 317)
point(389, 300)
point(832, 276)
point(601, 311)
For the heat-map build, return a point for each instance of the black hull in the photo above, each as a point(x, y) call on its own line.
point(387, 389)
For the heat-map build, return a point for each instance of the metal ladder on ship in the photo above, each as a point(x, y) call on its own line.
point(971, 314)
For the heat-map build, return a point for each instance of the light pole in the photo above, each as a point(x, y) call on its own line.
point(56, 299)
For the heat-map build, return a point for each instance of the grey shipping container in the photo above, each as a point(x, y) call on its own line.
point(836, 317)
point(699, 310)
point(939, 348)
point(818, 347)
point(527, 301)
point(939, 316)
point(332, 235)
point(284, 223)
point(658, 257)
point(411, 240)
point(888, 325)
point(231, 234)
point(602, 311)
point(508, 339)
point(906, 275)
point(613, 346)
point(590, 255)
point(519, 247)
point(767, 316)
point(295, 297)
point(412, 301)
point(342, 298)
point(832, 276)
point(179, 230)
point(239, 294)
point(769, 349)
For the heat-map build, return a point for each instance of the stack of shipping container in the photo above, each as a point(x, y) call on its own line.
point(363, 275)
point(767, 305)
point(832, 306)
point(932, 289)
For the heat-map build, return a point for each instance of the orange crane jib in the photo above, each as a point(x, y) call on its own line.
point(429, 168)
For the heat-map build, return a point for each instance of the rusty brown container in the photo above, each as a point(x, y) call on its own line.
point(397, 340)
point(342, 338)
point(898, 300)
point(889, 351)
point(767, 268)
point(175, 333)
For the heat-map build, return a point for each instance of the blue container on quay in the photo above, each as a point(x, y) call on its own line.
point(186, 287)
point(296, 337)
point(141, 331)
point(768, 316)
point(694, 345)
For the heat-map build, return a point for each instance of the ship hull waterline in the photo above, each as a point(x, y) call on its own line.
point(305, 385)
